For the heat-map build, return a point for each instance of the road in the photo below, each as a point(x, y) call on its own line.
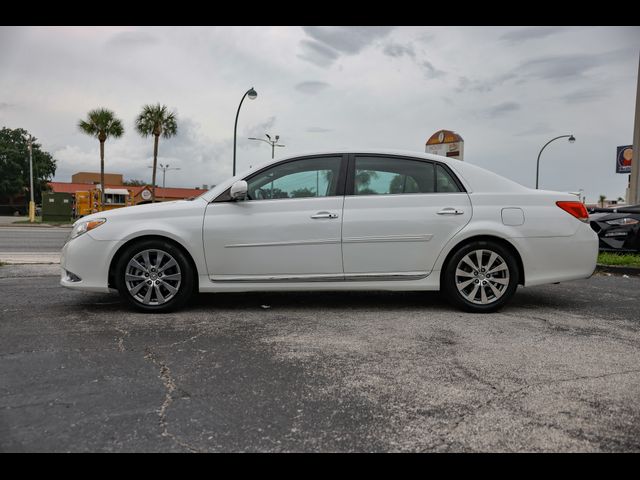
point(32, 239)
point(557, 370)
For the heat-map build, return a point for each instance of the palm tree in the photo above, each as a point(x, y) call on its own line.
point(602, 199)
point(156, 120)
point(102, 124)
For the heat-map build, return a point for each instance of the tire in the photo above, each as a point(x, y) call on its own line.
point(154, 276)
point(462, 279)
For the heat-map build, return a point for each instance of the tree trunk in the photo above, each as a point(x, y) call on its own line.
point(155, 161)
point(102, 186)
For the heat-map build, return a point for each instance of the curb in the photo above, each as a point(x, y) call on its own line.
point(618, 270)
point(33, 225)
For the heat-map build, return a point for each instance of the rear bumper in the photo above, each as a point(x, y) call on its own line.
point(558, 259)
point(85, 262)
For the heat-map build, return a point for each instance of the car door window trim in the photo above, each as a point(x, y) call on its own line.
point(340, 187)
point(351, 168)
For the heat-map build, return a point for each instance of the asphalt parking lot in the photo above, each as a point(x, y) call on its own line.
point(557, 370)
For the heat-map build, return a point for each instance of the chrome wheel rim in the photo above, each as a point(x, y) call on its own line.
point(482, 277)
point(153, 277)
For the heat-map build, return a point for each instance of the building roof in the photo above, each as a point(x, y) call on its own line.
point(68, 187)
point(169, 192)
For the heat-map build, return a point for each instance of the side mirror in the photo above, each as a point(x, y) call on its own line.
point(239, 190)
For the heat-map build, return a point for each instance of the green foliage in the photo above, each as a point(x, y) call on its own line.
point(102, 124)
point(14, 164)
point(303, 193)
point(156, 120)
point(601, 200)
point(134, 183)
point(612, 258)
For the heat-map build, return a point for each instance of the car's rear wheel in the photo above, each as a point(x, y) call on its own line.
point(481, 277)
point(154, 276)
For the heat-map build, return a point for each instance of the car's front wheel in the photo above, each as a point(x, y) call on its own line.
point(154, 276)
point(481, 277)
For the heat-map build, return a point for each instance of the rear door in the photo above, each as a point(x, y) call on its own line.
point(398, 214)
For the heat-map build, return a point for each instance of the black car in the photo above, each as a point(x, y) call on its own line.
point(618, 229)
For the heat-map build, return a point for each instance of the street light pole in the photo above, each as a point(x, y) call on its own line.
point(32, 204)
point(164, 169)
point(571, 140)
point(273, 143)
point(252, 95)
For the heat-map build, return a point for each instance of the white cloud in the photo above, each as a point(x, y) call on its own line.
point(506, 90)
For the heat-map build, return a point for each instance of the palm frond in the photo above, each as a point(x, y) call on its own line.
point(156, 119)
point(102, 121)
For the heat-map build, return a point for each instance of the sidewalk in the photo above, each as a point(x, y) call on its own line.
point(10, 221)
point(6, 220)
point(21, 258)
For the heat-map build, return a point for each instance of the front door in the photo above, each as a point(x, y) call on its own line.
point(288, 228)
point(398, 215)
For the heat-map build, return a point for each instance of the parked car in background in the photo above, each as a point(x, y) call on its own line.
point(338, 221)
point(618, 229)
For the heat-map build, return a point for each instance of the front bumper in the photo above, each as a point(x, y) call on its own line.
point(88, 260)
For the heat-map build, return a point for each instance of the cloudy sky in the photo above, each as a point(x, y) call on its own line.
point(506, 90)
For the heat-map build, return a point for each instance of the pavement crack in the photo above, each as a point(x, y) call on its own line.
point(190, 339)
point(501, 396)
point(572, 379)
point(169, 383)
point(124, 333)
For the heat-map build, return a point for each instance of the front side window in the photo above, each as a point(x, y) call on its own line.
point(310, 177)
point(388, 176)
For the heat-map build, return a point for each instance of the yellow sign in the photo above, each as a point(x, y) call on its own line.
point(446, 143)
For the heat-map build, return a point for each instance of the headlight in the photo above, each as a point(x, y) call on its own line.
point(623, 221)
point(84, 227)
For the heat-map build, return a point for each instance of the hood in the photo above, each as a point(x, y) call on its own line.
point(147, 210)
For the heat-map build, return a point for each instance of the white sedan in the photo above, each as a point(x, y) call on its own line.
point(338, 221)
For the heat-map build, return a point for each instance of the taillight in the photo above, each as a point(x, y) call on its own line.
point(577, 209)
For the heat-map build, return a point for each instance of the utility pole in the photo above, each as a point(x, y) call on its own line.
point(164, 169)
point(273, 143)
point(634, 192)
point(32, 204)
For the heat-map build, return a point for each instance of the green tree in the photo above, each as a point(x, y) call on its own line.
point(14, 165)
point(363, 179)
point(156, 120)
point(134, 183)
point(303, 193)
point(102, 124)
point(602, 199)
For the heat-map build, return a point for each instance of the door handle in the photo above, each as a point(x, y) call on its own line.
point(324, 215)
point(450, 211)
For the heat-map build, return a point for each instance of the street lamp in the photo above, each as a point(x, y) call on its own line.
point(571, 140)
point(252, 95)
point(164, 169)
point(273, 143)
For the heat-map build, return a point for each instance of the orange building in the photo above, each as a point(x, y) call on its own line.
point(94, 178)
point(117, 195)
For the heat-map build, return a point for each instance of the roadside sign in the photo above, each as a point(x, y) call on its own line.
point(446, 143)
point(624, 157)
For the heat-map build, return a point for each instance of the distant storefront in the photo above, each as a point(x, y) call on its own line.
point(85, 193)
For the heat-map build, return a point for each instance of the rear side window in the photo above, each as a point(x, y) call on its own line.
point(444, 181)
point(392, 176)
